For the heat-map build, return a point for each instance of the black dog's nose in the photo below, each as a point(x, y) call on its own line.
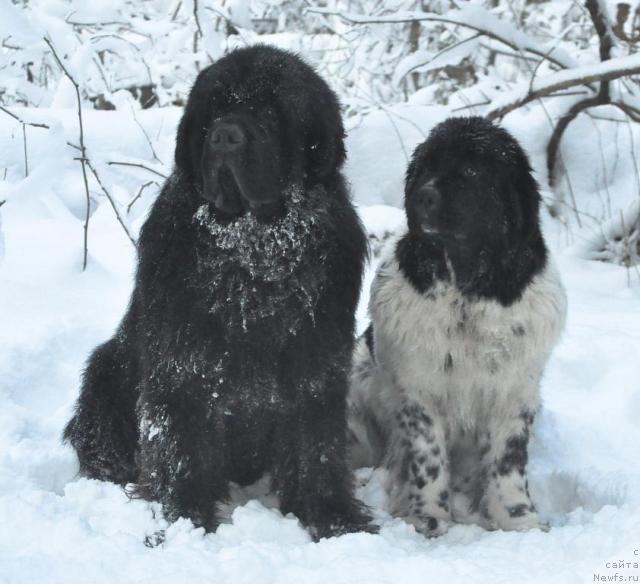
point(227, 137)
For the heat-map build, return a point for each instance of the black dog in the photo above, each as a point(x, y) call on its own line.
point(233, 357)
point(445, 383)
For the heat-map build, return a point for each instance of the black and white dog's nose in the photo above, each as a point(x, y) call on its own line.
point(227, 137)
point(431, 198)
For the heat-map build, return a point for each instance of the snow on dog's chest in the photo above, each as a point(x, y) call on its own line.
point(265, 251)
point(254, 270)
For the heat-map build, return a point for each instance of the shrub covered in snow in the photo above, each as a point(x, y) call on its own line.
point(510, 60)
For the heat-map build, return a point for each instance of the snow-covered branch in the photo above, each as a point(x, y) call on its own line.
point(550, 84)
point(474, 18)
point(602, 26)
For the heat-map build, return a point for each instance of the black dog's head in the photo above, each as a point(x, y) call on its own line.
point(258, 122)
point(469, 191)
point(469, 184)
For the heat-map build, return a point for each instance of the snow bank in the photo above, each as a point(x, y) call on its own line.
point(55, 527)
point(379, 147)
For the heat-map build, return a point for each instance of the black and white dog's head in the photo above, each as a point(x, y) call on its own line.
point(258, 122)
point(470, 200)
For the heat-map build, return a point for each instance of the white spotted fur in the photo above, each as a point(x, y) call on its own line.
point(494, 376)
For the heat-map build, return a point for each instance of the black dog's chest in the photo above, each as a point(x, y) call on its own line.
point(249, 417)
point(248, 273)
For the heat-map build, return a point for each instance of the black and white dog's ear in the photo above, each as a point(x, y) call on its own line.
point(526, 201)
point(413, 169)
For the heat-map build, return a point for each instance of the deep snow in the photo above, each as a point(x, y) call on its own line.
point(54, 527)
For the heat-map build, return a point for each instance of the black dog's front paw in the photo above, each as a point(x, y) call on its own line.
point(333, 524)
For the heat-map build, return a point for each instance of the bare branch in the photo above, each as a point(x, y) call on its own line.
point(140, 191)
point(111, 201)
point(605, 36)
point(196, 16)
point(175, 12)
point(506, 53)
point(153, 151)
point(417, 66)
point(83, 151)
point(622, 14)
point(24, 147)
point(23, 122)
point(628, 109)
point(136, 165)
point(470, 106)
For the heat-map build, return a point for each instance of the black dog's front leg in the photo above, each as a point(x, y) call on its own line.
point(103, 429)
point(182, 463)
point(312, 477)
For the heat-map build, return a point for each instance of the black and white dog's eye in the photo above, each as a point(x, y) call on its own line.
point(468, 171)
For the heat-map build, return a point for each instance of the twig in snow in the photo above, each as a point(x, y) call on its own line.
point(137, 165)
point(429, 17)
point(24, 147)
point(197, 18)
point(551, 207)
point(83, 152)
point(140, 191)
point(111, 201)
point(19, 119)
point(505, 53)
point(198, 31)
point(605, 35)
point(636, 171)
point(470, 106)
point(605, 173)
point(153, 151)
point(175, 12)
point(24, 135)
point(439, 54)
point(232, 27)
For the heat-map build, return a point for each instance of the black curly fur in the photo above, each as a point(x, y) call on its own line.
point(232, 358)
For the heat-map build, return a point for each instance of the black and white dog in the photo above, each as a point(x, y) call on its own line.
point(465, 312)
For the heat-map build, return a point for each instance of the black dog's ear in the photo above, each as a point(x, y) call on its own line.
point(326, 152)
point(194, 125)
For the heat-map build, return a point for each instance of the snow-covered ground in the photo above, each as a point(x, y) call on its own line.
point(55, 527)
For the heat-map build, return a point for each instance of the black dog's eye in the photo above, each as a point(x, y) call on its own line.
point(469, 171)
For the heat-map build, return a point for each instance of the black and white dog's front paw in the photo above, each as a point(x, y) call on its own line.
point(429, 526)
point(517, 517)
